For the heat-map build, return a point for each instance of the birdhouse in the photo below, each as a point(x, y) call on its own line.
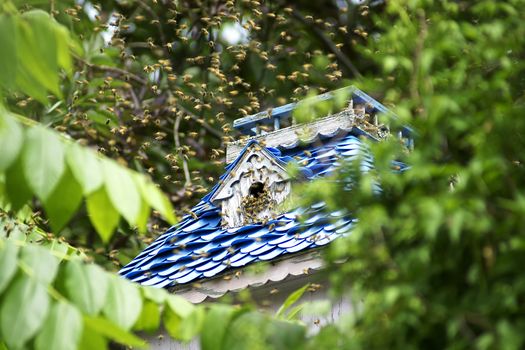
point(253, 189)
point(242, 220)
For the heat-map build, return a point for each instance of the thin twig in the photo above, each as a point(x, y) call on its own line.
point(201, 121)
point(115, 70)
point(185, 168)
point(119, 71)
point(135, 99)
point(330, 44)
point(159, 25)
point(418, 52)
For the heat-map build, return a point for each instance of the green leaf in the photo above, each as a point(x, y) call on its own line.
point(42, 61)
point(246, 331)
point(182, 320)
point(157, 295)
point(63, 54)
point(173, 323)
point(155, 198)
point(108, 329)
point(179, 305)
point(292, 299)
point(91, 339)
point(142, 220)
point(149, 319)
point(85, 166)
point(102, 214)
point(8, 260)
point(122, 191)
point(30, 86)
point(256, 330)
point(86, 285)
point(286, 335)
point(8, 59)
point(43, 159)
point(11, 137)
point(123, 303)
point(23, 311)
point(64, 201)
point(17, 189)
point(192, 324)
point(292, 314)
point(42, 264)
point(215, 325)
point(62, 329)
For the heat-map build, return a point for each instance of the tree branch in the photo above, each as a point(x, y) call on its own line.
point(185, 168)
point(330, 44)
point(115, 70)
point(201, 121)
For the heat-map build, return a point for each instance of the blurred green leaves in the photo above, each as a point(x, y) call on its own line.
point(60, 173)
point(69, 304)
point(62, 328)
point(435, 257)
point(38, 161)
point(81, 306)
point(35, 48)
point(23, 311)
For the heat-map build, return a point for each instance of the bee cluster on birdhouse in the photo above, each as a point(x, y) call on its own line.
point(258, 200)
point(253, 189)
point(368, 122)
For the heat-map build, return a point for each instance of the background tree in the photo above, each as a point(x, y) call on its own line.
point(435, 259)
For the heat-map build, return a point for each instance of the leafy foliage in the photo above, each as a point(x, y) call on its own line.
point(55, 301)
point(60, 173)
point(435, 260)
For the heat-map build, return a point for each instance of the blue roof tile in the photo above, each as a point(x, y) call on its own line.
point(198, 247)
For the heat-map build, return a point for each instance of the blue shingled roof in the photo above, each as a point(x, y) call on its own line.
point(198, 247)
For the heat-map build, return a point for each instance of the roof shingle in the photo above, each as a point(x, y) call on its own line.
point(198, 247)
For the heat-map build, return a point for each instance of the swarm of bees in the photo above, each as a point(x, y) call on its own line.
point(162, 60)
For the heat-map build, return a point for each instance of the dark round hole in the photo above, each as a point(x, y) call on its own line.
point(256, 189)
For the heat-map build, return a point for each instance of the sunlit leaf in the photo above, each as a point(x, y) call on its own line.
point(179, 305)
point(64, 201)
point(11, 138)
point(181, 319)
point(43, 158)
point(122, 191)
point(290, 300)
point(8, 262)
point(149, 319)
point(23, 311)
point(155, 198)
point(63, 55)
point(42, 61)
point(123, 303)
point(102, 214)
point(62, 328)
point(86, 285)
point(85, 166)
point(91, 339)
point(108, 329)
point(8, 59)
point(157, 295)
point(41, 264)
